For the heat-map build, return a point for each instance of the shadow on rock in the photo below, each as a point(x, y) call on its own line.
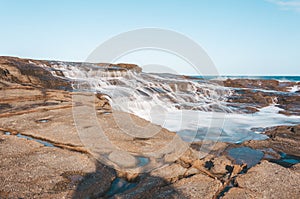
point(96, 184)
point(103, 183)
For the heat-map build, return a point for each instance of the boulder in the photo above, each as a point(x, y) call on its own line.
point(220, 165)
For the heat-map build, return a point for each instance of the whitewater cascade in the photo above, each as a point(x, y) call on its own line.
point(138, 93)
point(196, 109)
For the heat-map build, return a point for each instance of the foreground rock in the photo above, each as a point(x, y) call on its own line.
point(30, 170)
point(197, 186)
point(267, 180)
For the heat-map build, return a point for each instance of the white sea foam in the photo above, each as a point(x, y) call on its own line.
point(294, 89)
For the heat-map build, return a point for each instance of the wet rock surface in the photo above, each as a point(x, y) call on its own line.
point(274, 85)
point(282, 139)
point(250, 95)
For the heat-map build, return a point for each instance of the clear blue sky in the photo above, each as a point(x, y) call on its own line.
point(241, 36)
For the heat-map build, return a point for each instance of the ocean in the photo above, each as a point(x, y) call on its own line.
point(279, 78)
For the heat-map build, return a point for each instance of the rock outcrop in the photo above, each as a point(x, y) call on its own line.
point(249, 95)
point(28, 73)
point(284, 139)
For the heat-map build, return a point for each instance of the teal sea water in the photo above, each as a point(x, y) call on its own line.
point(279, 78)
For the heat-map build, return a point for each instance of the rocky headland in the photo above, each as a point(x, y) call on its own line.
point(43, 156)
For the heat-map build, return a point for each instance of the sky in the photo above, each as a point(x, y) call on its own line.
point(242, 37)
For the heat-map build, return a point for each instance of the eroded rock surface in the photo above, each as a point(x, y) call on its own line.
point(30, 170)
point(267, 180)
